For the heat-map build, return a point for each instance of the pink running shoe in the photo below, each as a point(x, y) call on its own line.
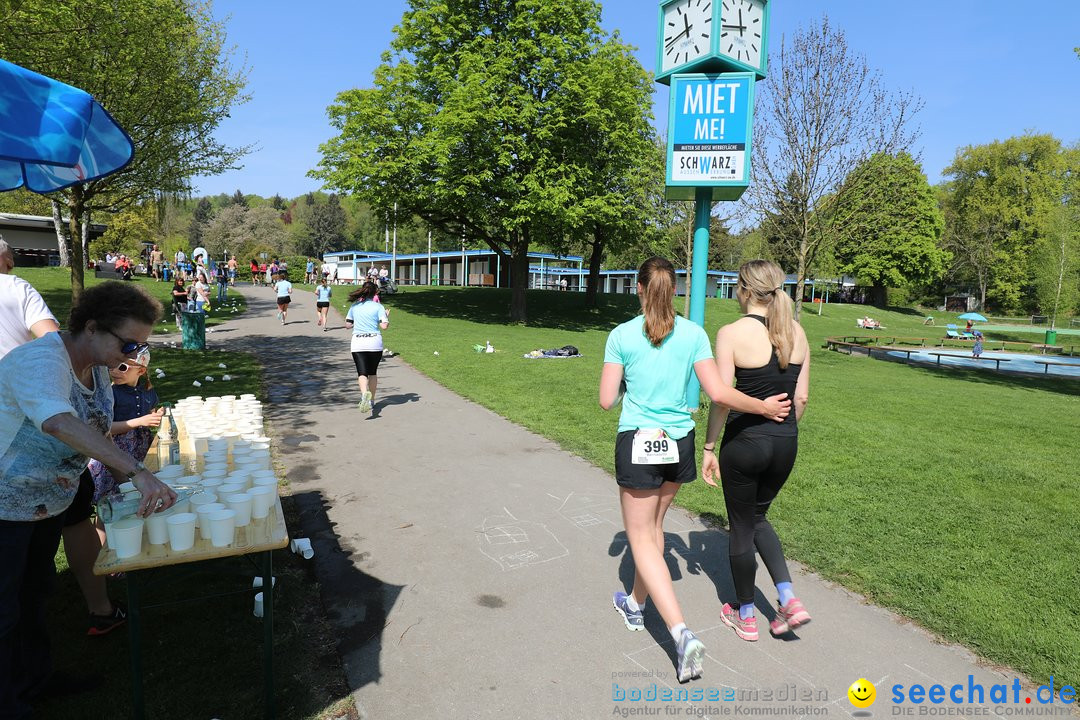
point(788, 617)
point(745, 629)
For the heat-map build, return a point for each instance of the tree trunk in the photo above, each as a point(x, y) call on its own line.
point(881, 296)
point(519, 274)
point(800, 282)
point(592, 287)
point(78, 261)
point(61, 235)
point(86, 237)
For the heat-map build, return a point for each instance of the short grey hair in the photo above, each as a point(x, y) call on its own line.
point(4, 247)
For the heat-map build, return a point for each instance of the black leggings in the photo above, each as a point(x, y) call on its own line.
point(753, 468)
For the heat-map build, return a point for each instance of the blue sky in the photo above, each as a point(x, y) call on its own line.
point(987, 70)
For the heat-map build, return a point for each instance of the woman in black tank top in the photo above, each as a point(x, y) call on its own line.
point(756, 455)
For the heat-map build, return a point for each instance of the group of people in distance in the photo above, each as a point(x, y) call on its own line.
point(648, 362)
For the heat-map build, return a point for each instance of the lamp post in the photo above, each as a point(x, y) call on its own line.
point(393, 258)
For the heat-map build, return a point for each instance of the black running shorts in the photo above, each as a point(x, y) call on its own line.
point(651, 477)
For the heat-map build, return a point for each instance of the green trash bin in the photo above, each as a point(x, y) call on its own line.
point(1051, 337)
point(193, 327)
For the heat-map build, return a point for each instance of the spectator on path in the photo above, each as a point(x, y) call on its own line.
point(327, 269)
point(323, 293)
point(764, 353)
point(271, 271)
point(179, 298)
point(648, 362)
point(367, 319)
point(157, 262)
point(221, 274)
point(23, 312)
point(232, 270)
point(55, 409)
point(283, 288)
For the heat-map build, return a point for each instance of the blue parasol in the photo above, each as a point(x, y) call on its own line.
point(53, 135)
point(972, 316)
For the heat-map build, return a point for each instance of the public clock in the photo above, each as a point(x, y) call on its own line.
point(710, 36)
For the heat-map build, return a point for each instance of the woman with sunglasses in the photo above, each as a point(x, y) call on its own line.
point(56, 408)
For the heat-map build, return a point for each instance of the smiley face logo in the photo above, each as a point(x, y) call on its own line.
point(862, 693)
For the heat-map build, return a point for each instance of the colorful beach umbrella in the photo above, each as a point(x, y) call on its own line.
point(53, 135)
point(972, 316)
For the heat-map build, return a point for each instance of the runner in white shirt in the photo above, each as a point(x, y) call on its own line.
point(23, 313)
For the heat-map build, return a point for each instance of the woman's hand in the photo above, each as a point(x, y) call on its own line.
point(152, 419)
point(777, 407)
point(710, 468)
point(156, 495)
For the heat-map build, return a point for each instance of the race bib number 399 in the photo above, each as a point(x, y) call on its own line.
point(654, 447)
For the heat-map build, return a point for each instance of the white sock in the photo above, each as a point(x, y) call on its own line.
point(677, 631)
point(633, 605)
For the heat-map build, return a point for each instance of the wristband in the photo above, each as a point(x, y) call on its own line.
point(139, 467)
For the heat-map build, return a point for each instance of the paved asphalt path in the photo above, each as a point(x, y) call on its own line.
point(468, 564)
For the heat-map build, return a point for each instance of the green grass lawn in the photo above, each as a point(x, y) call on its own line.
point(947, 495)
point(54, 284)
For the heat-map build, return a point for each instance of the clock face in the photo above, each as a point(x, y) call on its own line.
point(688, 32)
point(741, 30)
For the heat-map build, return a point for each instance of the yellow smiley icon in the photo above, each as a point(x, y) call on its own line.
point(862, 693)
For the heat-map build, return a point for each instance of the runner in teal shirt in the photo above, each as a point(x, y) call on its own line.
point(647, 364)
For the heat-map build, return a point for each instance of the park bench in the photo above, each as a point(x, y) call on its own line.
point(997, 361)
point(1047, 363)
point(107, 271)
point(1047, 348)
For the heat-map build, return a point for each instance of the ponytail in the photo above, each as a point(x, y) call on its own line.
point(657, 279)
point(763, 282)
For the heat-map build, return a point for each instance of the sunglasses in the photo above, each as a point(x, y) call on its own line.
point(129, 347)
point(124, 367)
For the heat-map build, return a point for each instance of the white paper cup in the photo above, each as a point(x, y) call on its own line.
point(240, 503)
point(126, 487)
point(222, 527)
point(202, 517)
point(262, 499)
point(258, 605)
point(199, 499)
point(157, 533)
point(230, 488)
point(181, 529)
point(109, 537)
point(269, 481)
point(257, 582)
point(214, 467)
point(212, 484)
point(170, 472)
point(302, 547)
point(128, 536)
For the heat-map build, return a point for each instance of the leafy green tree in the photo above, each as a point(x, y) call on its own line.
point(820, 115)
point(327, 228)
point(238, 198)
point(890, 225)
point(1056, 264)
point(242, 232)
point(204, 212)
point(162, 70)
point(997, 202)
point(126, 233)
point(468, 123)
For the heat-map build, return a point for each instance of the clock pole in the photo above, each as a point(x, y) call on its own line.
point(699, 276)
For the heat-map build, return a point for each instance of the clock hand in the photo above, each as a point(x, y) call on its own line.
point(675, 39)
point(734, 27)
point(742, 29)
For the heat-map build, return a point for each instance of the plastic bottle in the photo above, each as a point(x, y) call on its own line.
point(114, 508)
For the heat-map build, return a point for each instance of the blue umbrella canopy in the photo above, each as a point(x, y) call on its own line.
point(53, 135)
point(972, 316)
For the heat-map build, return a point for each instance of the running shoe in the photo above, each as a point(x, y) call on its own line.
point(745, 629)
point(788, 617)
point(691, 653)
point(365, 402)
point(634, 619)
point(103, 624)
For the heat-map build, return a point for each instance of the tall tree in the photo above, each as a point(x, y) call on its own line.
point(327, 225)
point(204, 212)
point(1056, 264)
point(238, 198)
point(997, 201)
point(890, 225)
point(466, 124)
point(161, 69)
point(820, 115)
